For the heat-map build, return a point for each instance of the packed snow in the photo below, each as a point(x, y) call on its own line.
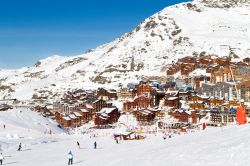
point(211, 147)
point(23, 123)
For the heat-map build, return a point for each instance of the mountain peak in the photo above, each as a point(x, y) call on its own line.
point(177, 31)
point(223, 3)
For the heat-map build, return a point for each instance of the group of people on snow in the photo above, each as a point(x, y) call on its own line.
point(2, 157)
point(70, 154)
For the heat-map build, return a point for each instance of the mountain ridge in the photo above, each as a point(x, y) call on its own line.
point(184, 29)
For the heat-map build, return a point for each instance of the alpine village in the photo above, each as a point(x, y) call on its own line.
point(197, 91)
point(168, 86)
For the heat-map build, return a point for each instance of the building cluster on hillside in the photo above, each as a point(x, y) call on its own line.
point(80, 107)
point(204, 87)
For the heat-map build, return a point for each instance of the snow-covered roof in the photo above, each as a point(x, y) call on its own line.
point(89, 106)
point(203, 96)
point(199, 72)
point(102, 117)
point(66, 118)
point(192, 102)
point(72, 116)
point(107, 110)
point(172, 98)
point(171, 92)
point(111, 91)
point(152, 109)
point(77, 114)
point(84, 110)
point(145, 112)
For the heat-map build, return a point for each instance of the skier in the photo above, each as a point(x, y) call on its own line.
point(19, 147)
point(116, 139)
point(204, 126)
point(50, 132)
point(4, 126)
point(95, 145)
point(1, 159)
point(78, 144)
point(70, 157)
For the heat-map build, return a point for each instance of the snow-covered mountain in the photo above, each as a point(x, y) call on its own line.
point(216, 27)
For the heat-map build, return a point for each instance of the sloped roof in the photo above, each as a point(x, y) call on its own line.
point(84, 110)
point(72, 116)
point(66, 118)
point(107, 110)
point(77, 114)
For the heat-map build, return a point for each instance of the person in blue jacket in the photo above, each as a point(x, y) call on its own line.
point(70, 157)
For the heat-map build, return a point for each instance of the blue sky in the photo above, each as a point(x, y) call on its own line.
point(34, 29)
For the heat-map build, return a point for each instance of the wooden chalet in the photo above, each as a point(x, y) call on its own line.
point(196, 105)
point(187, 68)
point(63, 120)
point(198, 102)
point(187, 59)
point(200, 79)
point(186, 116)
point(139, 102)
point(107, 116)
point(75, 121)
point(223, 74)
point(106, 94)
point(173, 102)
point(145, 116)
point(66, 122)
point(98, 104)
point(195, 98)
point(173, 69)
point(144, 89)
point(223, 61)
point(86, 113)
point(157, 96)
point(126, 93)
point(212, 68)
point(216, 102)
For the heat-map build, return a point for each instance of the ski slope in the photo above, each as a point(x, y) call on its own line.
point(23, 123)
point(228, 146)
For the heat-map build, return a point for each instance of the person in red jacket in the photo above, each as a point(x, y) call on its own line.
point(204, 126)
